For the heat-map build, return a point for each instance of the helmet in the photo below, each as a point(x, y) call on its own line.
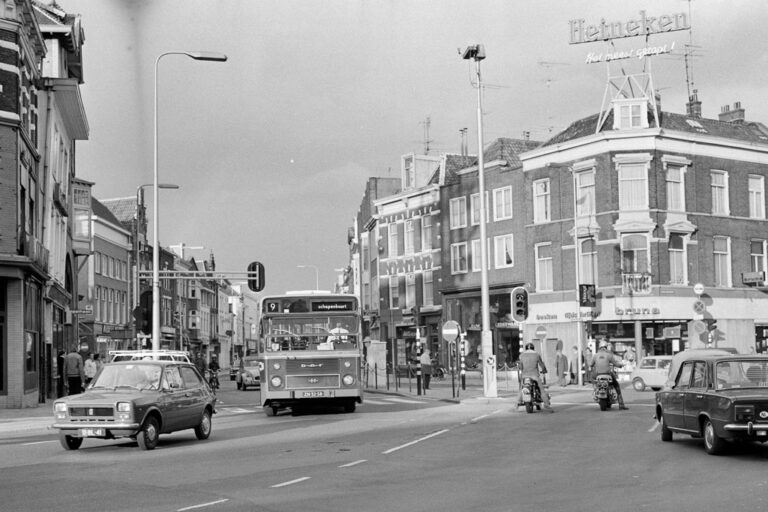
point(529, 346)
point(603, 345)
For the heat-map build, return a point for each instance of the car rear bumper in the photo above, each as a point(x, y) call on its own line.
point(747, 428)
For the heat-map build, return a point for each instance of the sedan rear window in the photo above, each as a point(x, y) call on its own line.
point(742, 374)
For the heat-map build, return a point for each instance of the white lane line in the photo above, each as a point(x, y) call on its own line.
point(404, 401)
point(36, 442)
point(433, 434)
point(375, 402)
point(291, 482)
point(355, 463)
point(203, 505)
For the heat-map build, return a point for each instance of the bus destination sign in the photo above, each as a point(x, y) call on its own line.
point(333, 305)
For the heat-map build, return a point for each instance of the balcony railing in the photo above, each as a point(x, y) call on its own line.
point(638, 283)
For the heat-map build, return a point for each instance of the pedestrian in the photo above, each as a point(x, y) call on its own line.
point(426, 368)
point(561, 366)
point(98, 361)
point(200, 363)
point(89, 368)
point(588, 365)
point(74, 370)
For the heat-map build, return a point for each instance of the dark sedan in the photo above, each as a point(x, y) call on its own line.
point(719, 398)
point(139, 400)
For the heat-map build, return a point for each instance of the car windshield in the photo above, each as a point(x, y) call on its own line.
point(250, 362)
point(742, 374)
point(137, 376)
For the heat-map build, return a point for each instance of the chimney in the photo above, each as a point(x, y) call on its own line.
point(727, 115)
point(463, 142)
point(693, 106)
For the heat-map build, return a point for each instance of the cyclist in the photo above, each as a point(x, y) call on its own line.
point(213, 369)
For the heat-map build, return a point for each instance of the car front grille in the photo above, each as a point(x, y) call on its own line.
point(91, 413)
point(312, 366)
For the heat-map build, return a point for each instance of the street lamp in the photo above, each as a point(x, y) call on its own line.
point(579, 324)
point(317, 274)
point(136, 288)
point(209, 56)
point(477, 53)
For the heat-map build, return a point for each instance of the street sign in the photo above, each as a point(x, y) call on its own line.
point(541, 331)
point(699, 326)
point(451, 331)
point(698, 288)
point(81, 312)
point(699, 307)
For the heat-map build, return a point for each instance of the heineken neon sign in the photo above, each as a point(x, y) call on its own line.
point(581, 32)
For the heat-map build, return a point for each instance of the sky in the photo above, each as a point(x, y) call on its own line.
point(272, 149)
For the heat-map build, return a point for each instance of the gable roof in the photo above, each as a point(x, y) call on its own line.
point(503, 148)
point(123, 208)
point(102, 212)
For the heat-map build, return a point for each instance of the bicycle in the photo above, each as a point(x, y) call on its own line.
point(213, 380)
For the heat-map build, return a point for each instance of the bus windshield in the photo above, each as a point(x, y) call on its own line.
point(319, 332)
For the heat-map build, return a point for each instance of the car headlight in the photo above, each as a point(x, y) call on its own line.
point(745, 412)
point(124, 407)
point(276, 381)
point(348, 380)
point(59, 407)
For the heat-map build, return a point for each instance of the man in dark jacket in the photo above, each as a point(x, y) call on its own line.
point(603, 363)
point(529, 365)
point(74, 370)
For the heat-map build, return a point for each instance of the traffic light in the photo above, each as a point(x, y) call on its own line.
point(255, 276)
point(144, 316)
point(520, 304)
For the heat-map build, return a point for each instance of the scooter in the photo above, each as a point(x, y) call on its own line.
point(531, 394)
point(603, 392)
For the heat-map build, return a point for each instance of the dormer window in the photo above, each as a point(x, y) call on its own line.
point(631, 113)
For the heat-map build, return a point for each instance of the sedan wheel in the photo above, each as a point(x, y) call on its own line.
point(203, 430)
point(70, 442)
point(239, 386)
point(149, 434)
point(638, 384)
point(666, 434)
point(713, 443)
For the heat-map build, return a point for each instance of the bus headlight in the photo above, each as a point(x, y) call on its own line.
point(276, 381)
point(348, 380)
point(276, 365)
point(347, 364)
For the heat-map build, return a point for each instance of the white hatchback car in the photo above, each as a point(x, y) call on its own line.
point(651, 373)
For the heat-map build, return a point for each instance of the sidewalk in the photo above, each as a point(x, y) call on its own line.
point(26, 422)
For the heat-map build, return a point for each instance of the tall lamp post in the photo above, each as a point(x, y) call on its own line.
point(137, 217)
point(477, 53)
point(209, 56)
point(317, 274)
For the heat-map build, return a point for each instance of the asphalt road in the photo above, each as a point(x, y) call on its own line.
point(425, 456)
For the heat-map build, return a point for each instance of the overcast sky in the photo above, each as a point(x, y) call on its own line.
point(272, 148)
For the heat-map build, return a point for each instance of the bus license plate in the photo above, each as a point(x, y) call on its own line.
point(313, 394)
point(92, 432)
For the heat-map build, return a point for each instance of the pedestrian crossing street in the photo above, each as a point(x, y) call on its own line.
point(232, 410)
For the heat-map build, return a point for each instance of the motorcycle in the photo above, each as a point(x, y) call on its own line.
point(531, 395)
point(603, 391)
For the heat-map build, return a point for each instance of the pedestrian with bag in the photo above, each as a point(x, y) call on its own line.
point(74, 370)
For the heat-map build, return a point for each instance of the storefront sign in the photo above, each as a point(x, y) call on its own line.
point(637, 311)
point(752, 277)
point(580, 32)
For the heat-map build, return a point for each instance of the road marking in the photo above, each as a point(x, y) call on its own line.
point(203, 505)
point(291, 482)
point(36, 442)
point(236, 410)
point(433, 434)
point(654, 427)
point(353, 463)
point(375, 402)
point(404, 401)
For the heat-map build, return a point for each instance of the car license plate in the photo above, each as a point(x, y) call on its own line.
point(762, 433)
point(92, 432)
point(313, 394)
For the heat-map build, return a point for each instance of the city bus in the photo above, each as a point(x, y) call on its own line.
point(309, 351)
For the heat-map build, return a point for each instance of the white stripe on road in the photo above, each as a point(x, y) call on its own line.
point(654, 427)
point(37, 442)
point(433, 434)
point(355, 463)
point(203, 505)
point(291, 482)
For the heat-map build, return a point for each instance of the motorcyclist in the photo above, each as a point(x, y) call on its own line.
point(603, 363)
point(529, 364)
point(213, 369)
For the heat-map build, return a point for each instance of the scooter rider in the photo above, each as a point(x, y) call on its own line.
point(529, 364)
point(603, 363)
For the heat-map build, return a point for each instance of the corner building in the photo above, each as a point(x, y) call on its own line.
point(650, 204)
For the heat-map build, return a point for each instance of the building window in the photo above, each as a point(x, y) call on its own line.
point(544, 269)
point(97, 263)
point(504, 253)
point(757, 256)
point(428, 290)
point(97, 313)
point(394, 293)
point(541, 200)
point(392, 240)
point(426, 233)
point(756, 197)
point(630, 115)
point(365, 250)
point(585, 193)
point(474, 203)
point(410, 236)
point(633, 186)
point(458, 211)
point(719, 185)
point(722, 260)
point(588, 259)
point(477, 257)
point(459, 258)
point(502, 203)
point(410, 290)
point(634, 254)
point(675, 189)
point(677, 259)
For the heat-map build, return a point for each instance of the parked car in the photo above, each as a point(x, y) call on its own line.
point(139, 400)
point(719, 398)
point(651, 372)
point(248, 373)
